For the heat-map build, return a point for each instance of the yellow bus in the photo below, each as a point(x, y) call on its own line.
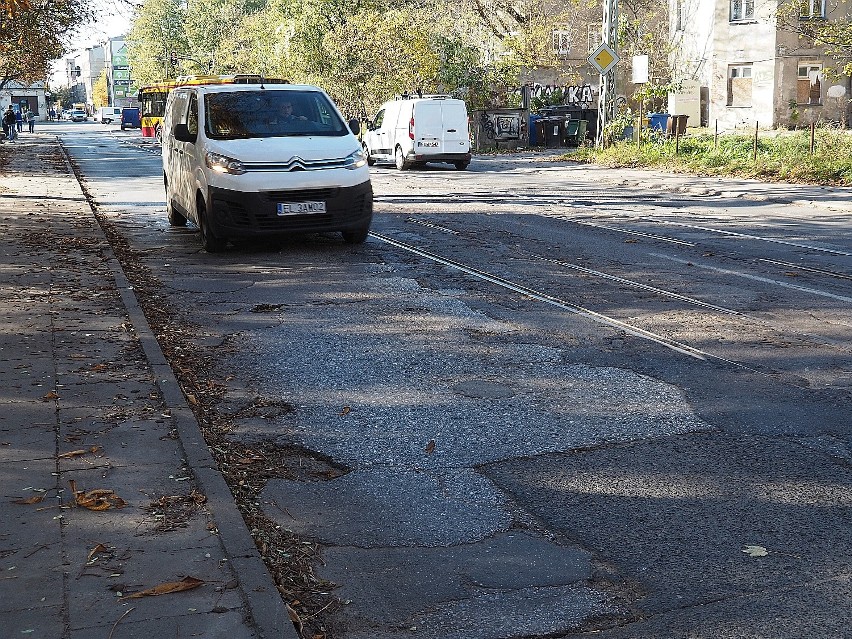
point(152, 98)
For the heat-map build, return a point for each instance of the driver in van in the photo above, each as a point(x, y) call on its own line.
point(286, 113)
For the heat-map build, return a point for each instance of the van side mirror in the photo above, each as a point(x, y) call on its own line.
point(182, 134)
point(354, 126)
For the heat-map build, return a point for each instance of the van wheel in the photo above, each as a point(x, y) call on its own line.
point(175, 218)
point(461, 165)
point(358, 236)
point(401, 163)
point(210, 242)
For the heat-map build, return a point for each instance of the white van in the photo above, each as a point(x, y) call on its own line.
point(263, 160)
point(412, 131)
point(108, 115)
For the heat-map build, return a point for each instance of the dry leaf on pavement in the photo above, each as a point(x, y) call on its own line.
point(100, 499)
point(187, 583)
point(755, 551)
point(78, 453)
point(35, 499)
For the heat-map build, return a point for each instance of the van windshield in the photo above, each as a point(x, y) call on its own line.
point(263, 113)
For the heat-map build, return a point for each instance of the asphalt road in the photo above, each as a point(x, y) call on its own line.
point(567, 399)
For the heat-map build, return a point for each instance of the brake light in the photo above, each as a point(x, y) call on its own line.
point(411, 128)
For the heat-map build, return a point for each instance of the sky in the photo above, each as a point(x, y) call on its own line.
point(113, 20)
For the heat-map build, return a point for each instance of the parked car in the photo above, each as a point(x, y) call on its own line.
point(107, 114)
point(263, 160)
point(78, 115)
point(130, 118)
point(411, 131)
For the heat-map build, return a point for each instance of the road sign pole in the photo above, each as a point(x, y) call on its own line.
point(607, 95)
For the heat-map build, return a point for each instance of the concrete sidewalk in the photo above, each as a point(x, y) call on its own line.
point(88, 400)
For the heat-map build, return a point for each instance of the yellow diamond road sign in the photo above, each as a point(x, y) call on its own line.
point(603, 58)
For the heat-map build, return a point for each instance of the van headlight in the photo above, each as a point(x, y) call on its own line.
point(355, 160)
point(224, 164)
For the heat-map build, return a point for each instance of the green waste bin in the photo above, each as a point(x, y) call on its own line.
point(575, 132)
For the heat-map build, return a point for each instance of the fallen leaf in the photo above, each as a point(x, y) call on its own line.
point(791, 274)
point(191, 399)
point(51, 395)
point(96, 550)
point(35, 499)
point(294, 617)
point(99, 499)
point(430, 447)
point(187, 583)
point(73, 453)
point(755, 551)
point(346, 410)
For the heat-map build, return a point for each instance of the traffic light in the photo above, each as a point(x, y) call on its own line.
point(173, 58)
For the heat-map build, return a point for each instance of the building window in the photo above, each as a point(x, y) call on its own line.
point(561, 39)
point(810, 9)
point(742, 10)
point(739, 85)
point(809, 84)
point(594, 36)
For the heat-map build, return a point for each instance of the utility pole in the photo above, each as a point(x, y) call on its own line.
point(606, 99)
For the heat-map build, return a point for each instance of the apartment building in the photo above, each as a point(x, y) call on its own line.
point(753, 68)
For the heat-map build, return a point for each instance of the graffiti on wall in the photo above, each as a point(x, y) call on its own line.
point(501, 126)
point(581, 96)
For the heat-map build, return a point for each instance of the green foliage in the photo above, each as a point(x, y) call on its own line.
point(100, 95)
point(781, 157)
point(158, 29)
point(833, 35)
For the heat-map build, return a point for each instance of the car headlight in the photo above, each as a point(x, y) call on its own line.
point(224, 164)
point(355, 160)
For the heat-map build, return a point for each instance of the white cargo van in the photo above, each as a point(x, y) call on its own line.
point(263, 160)
point(411, 131)
point(108, 115)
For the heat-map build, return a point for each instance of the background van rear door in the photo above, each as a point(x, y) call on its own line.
point(456, 137)
point(428, 127)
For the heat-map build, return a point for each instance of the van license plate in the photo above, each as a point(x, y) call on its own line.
point(430, 144)
point(300, 208)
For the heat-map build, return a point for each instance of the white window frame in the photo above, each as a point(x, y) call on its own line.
point(738, 71)
point(806, 71)
point(560, 41)
point(594, 36)
point(811, 9)
point(741, 10)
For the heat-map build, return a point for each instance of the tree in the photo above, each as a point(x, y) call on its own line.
point(158, 30)
point(32, 35)
point(831, 32)
point(100, 94)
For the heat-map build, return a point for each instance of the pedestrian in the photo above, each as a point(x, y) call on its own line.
point(31, 118)
point(9, 123)
point(51, 114)
point(19, 120)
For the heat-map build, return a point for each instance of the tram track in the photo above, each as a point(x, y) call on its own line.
point(783, 332)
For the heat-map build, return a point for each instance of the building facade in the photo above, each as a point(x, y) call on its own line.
point(121, 89)
point(752, 69)
point(26, 97)
point(84, 69)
